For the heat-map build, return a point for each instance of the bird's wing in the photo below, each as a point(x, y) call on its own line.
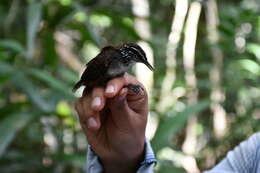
point(93, 70)
point(97, 67)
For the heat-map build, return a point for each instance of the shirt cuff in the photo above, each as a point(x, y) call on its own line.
point(93, 163)
point(146, 166)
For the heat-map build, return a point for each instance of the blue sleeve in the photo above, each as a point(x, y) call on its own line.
point(245, 158)
point(146, 166)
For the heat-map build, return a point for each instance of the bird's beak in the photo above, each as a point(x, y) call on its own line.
point(148, 65)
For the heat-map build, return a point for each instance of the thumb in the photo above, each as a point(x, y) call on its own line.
point(119, 108)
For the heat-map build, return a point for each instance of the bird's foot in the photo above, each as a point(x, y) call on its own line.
point(137, 89)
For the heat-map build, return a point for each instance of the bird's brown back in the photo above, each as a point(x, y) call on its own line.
point(96, 69)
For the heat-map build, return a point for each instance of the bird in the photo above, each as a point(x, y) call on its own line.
point(110, 63)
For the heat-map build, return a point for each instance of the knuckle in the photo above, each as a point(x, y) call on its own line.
point(97, 92)
point(118, 104)
point(77, 105)
point(118, 81)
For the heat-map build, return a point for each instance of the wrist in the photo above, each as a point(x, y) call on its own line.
point(125, 165)
point(127, 162)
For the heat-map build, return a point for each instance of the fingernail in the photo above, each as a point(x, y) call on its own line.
point(123, 91)
point(96, 102)
point(110, 89)
point(91, 123)
point(123, 94)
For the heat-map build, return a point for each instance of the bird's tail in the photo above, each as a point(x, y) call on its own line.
point(77, 86)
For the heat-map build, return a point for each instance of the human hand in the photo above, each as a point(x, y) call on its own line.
point(114, 121)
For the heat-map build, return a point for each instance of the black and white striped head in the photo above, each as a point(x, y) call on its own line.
point(132, 53)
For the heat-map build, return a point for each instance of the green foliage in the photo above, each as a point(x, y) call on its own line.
point(43, 44)
point(34, 11)
point(172, 122)
point(10, 126)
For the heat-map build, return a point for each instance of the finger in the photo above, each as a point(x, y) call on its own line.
point(124, 117)
point(132, 80)
point(131, 95)
point(119, 107)
point(135, 100)
point(114, 86)
point(83, 106)
point(98, 99)
point(78, 107)
point(89, 119)
point(91, 124)
point(91, 129)
point(86, 104)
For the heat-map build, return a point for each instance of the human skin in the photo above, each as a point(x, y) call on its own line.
point(114, 120)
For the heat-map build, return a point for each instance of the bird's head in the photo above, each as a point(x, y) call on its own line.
point(132, 53)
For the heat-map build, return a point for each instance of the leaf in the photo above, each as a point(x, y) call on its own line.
point(13, 45)
point(94, 35)
point(166, 167)
point(120, 21)
point(71, 159)
point(171, 123)
point(52, 82)
point(89, 29)
point(21, 160)
point(258, 27)
point(67, 75)
point(34, 13)
point(21, 81)
point(250, 66)
point(5, 74)
point(26, 86)
point(5, 68)
point(10, 126)
point(49, 52)
point(254, 49)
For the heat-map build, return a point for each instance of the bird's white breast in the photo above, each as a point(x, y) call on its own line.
point(117, 69)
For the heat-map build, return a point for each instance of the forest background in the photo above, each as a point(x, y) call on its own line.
point(204, 93)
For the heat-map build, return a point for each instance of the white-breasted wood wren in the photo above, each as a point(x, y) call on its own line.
point(111, 62)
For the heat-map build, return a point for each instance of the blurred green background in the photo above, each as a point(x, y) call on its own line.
point(204, 93)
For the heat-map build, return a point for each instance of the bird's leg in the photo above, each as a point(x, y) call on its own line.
point(135, 88)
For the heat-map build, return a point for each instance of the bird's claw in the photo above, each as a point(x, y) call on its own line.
point(135, 88)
